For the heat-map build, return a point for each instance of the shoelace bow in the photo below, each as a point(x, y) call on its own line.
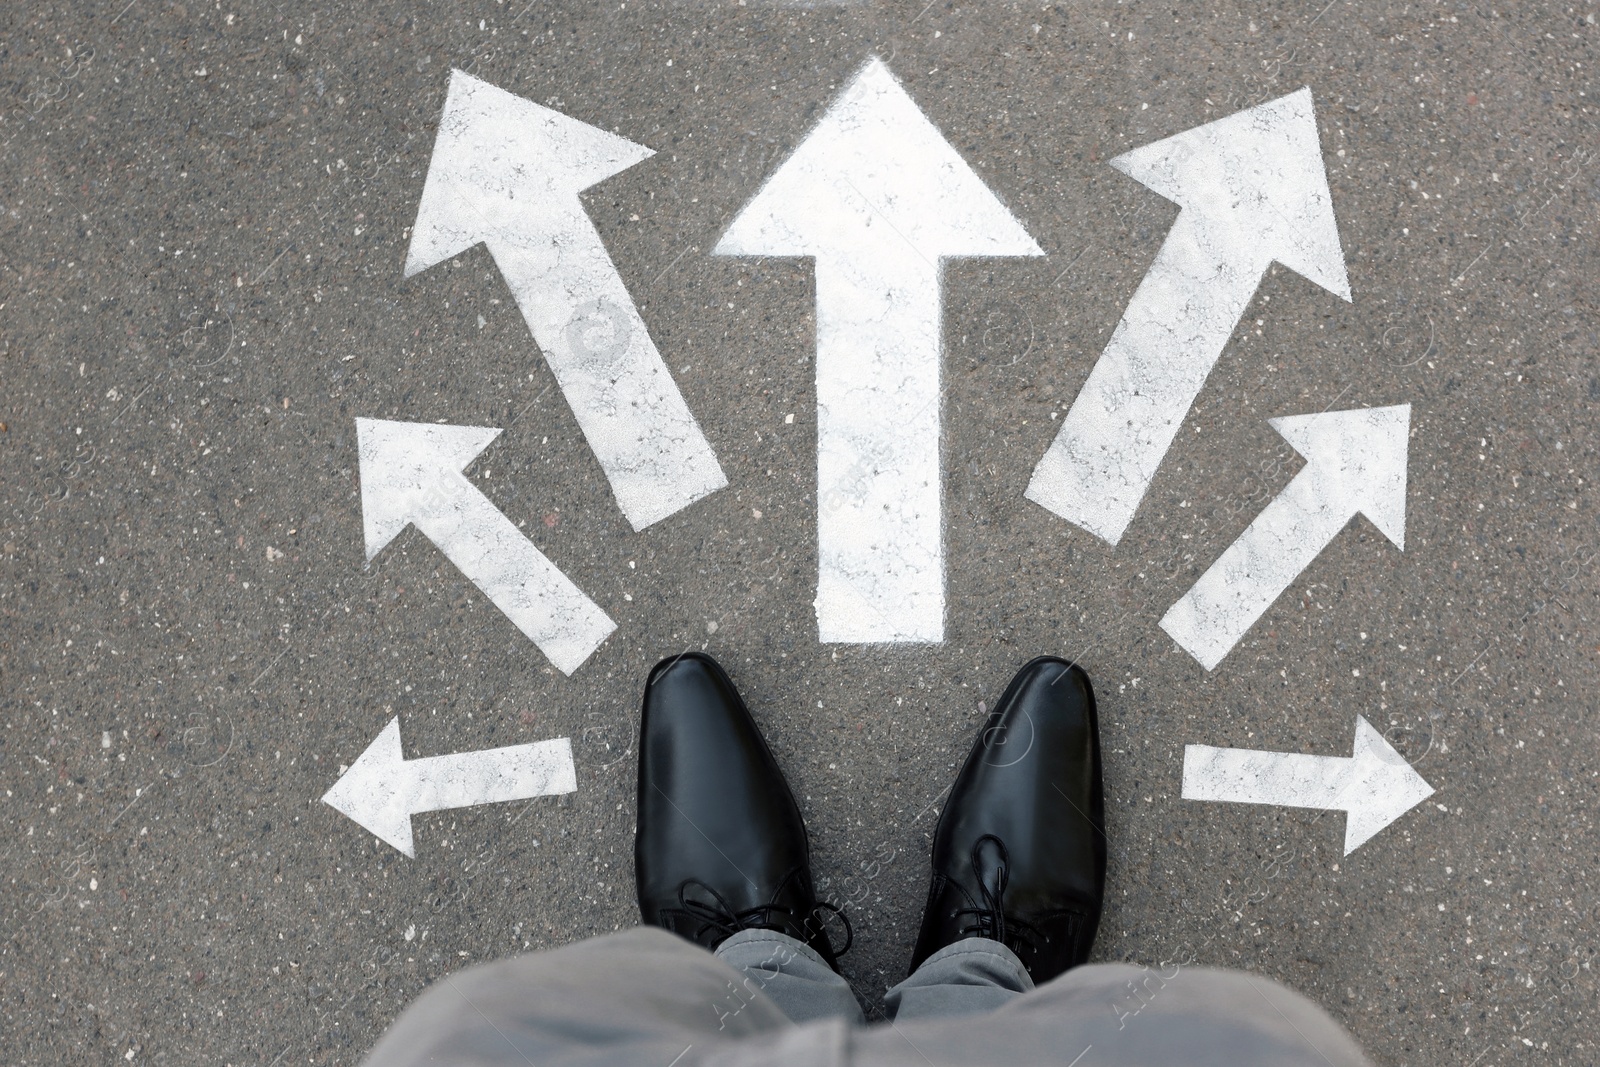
point(990, 920)
point(721, 917)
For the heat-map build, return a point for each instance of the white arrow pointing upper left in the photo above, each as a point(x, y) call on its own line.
point(383, 789)
point(508, 172)
point(411, 474)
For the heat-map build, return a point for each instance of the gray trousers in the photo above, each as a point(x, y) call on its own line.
point(648, 997)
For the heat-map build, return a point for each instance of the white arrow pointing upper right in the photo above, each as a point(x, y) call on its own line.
point(1355, 462)
point(1253, 190)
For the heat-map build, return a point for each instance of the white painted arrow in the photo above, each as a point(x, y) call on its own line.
point(1373, 787)
point(383, 789)
point(1355, 462)
point(879, 199)
point(411, 474)
point(1253, 191)
point(508, 172)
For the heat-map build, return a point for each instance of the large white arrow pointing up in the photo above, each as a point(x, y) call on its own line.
point(383, 789)
point(1374, 786)
point(1253, 191)
point(878, 197)
point(508, 172)
point(411, 474)
point(1355, 462)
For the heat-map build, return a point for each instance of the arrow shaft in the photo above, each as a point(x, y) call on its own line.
point(492, 776)
point(880, 548)
point(1248, 776)
point(624, 398)
point(1124, 419)
point(1254, 571)
point(520, 581)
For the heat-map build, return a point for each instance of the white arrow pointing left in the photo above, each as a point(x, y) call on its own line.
point(1355, 462)
point(411, 475)
point(383, 789)
point(1374, 786)
point(508, 172)
point(879, 198)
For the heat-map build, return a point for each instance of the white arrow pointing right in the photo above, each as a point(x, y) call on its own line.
point(1374, 786)
point(1355, 462)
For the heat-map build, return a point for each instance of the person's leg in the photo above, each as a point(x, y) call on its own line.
point(969, 976)
point(791, 974)
point(640, 996)
point(1115, 1015)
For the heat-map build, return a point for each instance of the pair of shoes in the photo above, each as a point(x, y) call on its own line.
point(1019, 855)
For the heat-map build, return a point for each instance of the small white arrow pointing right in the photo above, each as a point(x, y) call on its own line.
point(383, 789)
point(1253, 191)
point(508, 172)
point(1355, 462)
point(1374, 786)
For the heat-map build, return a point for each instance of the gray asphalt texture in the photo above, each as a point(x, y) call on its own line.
point(204, 211)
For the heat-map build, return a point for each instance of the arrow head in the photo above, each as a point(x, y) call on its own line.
point(500, 163)
point(1256, 183)
point(409, 467)
point(1360, 456)
point(1382, 787)
point(875, 174)
point(373, 791)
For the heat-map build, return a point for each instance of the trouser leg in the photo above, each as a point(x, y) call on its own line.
point(1115, 1015)
point(972, 975)
point(640, 996)
point(791, 974)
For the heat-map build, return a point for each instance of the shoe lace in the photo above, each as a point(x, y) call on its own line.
point(718, 915)
point(990, 920)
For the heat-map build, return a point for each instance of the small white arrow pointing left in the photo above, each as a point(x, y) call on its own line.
point(1374, 786)
point(383, 789)
point(411, 474)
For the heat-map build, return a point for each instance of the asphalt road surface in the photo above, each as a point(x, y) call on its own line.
point(205, 215)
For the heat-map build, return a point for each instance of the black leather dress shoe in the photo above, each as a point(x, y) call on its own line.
point(1020, 853)
point(720, 845)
